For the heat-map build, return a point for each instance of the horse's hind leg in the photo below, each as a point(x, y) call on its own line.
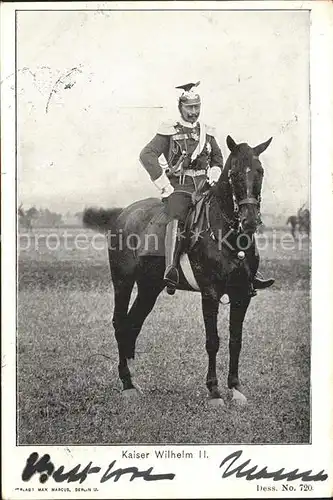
point(123, 286)
point(148, 292)
point(237, 313)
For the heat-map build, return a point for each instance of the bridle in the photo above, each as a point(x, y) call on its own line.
point(249, 200)
point(234, 222)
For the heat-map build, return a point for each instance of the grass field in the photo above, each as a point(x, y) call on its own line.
point(69, 393)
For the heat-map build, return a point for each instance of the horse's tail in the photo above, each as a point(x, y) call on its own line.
point(100, 219)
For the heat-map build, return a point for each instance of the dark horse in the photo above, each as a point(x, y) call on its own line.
point(304, 220)
point(223, 260)
point(292, 220)
point(301, 220)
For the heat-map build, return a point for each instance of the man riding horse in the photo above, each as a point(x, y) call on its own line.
point(193, 157)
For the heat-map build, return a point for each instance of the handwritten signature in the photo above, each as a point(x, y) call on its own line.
point(231, 467)
point(240, 471)
point(47, 469)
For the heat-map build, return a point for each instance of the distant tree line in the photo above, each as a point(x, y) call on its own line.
point(43, 217)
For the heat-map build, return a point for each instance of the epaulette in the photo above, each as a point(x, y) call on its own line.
point(167, 128)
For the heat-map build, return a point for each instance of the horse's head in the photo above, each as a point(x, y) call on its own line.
point(245, 174)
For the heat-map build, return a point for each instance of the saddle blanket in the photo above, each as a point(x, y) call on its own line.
point(152, 239)
point(152, 243)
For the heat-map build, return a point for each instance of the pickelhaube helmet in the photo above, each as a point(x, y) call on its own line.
point(189, 96)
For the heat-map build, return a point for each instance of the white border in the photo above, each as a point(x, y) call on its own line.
point(321, 84)
point(188, 484)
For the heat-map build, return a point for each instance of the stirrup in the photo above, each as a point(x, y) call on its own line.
point(171, 278)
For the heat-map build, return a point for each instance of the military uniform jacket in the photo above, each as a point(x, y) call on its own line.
point(183, 147)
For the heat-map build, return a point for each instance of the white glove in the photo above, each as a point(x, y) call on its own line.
point(163, 184)
point(167, 191)
point(213, 175)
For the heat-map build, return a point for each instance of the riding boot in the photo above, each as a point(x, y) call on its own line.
point(171, 275)
point(259, 282)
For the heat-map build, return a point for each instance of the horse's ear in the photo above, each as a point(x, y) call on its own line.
point(231, 143)
point(261, 147)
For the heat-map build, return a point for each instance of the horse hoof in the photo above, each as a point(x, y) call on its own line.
point(215, 402)
point(131, 366)
point(131, 394)
point(238, 397)
point(137, 387)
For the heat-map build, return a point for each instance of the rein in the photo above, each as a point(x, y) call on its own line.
point(233, 224)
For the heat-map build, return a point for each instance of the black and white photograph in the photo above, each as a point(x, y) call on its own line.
point(165, 264)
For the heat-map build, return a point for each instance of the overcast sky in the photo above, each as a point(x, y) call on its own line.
point(80, 138)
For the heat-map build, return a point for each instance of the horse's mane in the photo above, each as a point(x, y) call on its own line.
point(222, 189)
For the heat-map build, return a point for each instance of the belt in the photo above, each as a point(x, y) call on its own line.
point(190, 172)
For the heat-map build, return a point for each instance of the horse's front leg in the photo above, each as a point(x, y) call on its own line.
point(210, 307)
point(237, 313)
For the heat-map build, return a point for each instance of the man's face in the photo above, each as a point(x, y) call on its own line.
point(190, 112)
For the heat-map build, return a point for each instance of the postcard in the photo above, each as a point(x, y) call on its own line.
point(167, 250)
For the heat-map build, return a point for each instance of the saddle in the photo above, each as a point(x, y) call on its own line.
point(152, 238)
